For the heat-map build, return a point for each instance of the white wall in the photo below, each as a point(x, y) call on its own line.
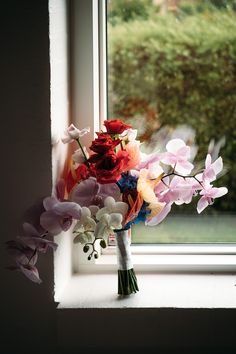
point(29, 320)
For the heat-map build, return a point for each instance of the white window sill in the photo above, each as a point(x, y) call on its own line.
point(156, 291)
point(163, 262)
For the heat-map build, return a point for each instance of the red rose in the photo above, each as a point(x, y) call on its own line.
point(116, 126)
point(108, 168)
point(103, 143)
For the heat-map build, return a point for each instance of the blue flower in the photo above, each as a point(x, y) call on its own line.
point(127, 182)
point(142, 216)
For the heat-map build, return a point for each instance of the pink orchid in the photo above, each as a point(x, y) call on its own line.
point(25, 259)
point(179, 190)
point(157, 219)
point(147, 160)
point(212, 169)
point(188, 188)
point(72, 133)
point(34, 240)
point(58, 215)
point(171, 193)
point(90, 192)
point(209, 193)
point(177, 156)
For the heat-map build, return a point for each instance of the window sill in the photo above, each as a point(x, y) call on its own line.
point(163, 262)
point(186, 291)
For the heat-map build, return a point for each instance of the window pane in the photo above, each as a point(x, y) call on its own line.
point(172, 73)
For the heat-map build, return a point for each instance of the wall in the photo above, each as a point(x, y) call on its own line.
point(28, 313)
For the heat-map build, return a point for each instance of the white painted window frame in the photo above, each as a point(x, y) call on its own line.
point(89, 108)
point(88, 64)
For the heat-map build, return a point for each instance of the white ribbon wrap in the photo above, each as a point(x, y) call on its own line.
point(123, 250)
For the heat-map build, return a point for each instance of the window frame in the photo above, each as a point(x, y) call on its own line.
point(88, 80)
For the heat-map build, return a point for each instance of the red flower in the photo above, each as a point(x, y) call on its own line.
point(135, 201)
point(76, 175)
point(103, 143)
point(116, 126)
point(108, 168)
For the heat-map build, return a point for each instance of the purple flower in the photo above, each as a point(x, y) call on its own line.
point(58, 215)
point(25, 259)
point(34, 240)
point(90, 192)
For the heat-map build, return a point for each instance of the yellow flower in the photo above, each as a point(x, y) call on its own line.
point(146, 187)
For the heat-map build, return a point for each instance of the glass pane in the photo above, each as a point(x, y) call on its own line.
point(172, 73)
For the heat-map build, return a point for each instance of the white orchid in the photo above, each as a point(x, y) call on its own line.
point(85, 227)
point(93, 209)
point(111, 206)
point(107, 224)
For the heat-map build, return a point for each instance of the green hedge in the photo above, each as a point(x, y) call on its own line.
point(186, 72)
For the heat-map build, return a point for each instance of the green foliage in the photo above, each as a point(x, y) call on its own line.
point(185, 70)
point(205, 6)
point(128, 10)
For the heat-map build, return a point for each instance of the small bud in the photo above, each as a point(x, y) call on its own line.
point(103, 243)
point(96, 255)
point(86, 248)
point(89, 258)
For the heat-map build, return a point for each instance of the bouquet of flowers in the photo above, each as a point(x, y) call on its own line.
point(110, 188)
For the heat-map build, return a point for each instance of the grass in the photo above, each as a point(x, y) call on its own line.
point(188, 229)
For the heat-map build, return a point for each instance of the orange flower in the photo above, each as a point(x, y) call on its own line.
point(135, 204)
point(133, 149)
point(145, 187)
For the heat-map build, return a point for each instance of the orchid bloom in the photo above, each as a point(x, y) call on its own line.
point(72, 133)
point(158, 218)
point(107, 224)
point(154, 170)
point(209, 193)
point(180, 190)
point(147, 160)
point(111, 206)
point(34, 240)
point(84, 227)
point(188, 188)
point(90, 192)
point(58, 215)
point(212, 169)
point(25, 259)
point(172, 193)
point(177, 156)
